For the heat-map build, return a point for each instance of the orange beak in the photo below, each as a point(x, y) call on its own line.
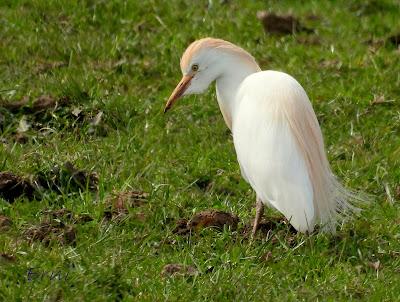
point(178, 91)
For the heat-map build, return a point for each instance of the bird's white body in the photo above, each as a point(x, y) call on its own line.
point(277, 137)
point(267, 151)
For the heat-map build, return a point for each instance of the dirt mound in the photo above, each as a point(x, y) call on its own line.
point(207, 219)
point(281, 24)
point(13, 186)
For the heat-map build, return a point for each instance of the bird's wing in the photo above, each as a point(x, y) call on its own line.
point(268, 153)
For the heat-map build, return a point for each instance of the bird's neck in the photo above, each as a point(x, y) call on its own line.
point(227, 86)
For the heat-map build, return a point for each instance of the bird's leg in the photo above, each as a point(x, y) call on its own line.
point(259, 214)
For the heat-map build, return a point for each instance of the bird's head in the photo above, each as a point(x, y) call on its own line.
point(202, 63)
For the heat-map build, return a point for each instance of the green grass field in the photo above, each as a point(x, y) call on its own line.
point(112, 65)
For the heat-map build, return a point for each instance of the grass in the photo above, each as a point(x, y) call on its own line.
point(122, 58)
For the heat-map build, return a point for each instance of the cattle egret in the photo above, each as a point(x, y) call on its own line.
point(278, 140)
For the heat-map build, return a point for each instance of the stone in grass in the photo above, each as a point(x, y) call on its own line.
point(13, 186)
point(179, 270)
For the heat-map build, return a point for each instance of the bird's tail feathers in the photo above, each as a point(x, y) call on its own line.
point(333, 203)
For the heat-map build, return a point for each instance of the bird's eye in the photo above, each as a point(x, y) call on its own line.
point(195, 67)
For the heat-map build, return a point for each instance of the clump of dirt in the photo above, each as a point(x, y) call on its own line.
point(62, 213)
point(21, 138)
point(268, 225)
point(375, 43)
point(47, 66)
point(60, 179)
point(83, 218)
point(273, 223)
point(397, 192)
point(395, 40)
point(204, 183)
point(66, 216)
point(7, 257)
point(369, 7)
point(308, 40)
point(376, 265)
point(176, 269)
point(41, 103)
point(206, 219)
point(13, 186)
point(56, 226)
point(51, 231)
point(181, 227)
point(120, 203)
point(45, 102)
point(331, 64)
point(219, 219)
point(14, 106)
point(281, 24)
point(213, 218)
point(266, 257)
point(129, 199)
point(68, 178)
point(82, 178)
point(45, 114)
point(5, 222)
point(313, 17)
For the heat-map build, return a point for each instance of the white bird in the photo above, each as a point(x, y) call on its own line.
point(276, 134)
